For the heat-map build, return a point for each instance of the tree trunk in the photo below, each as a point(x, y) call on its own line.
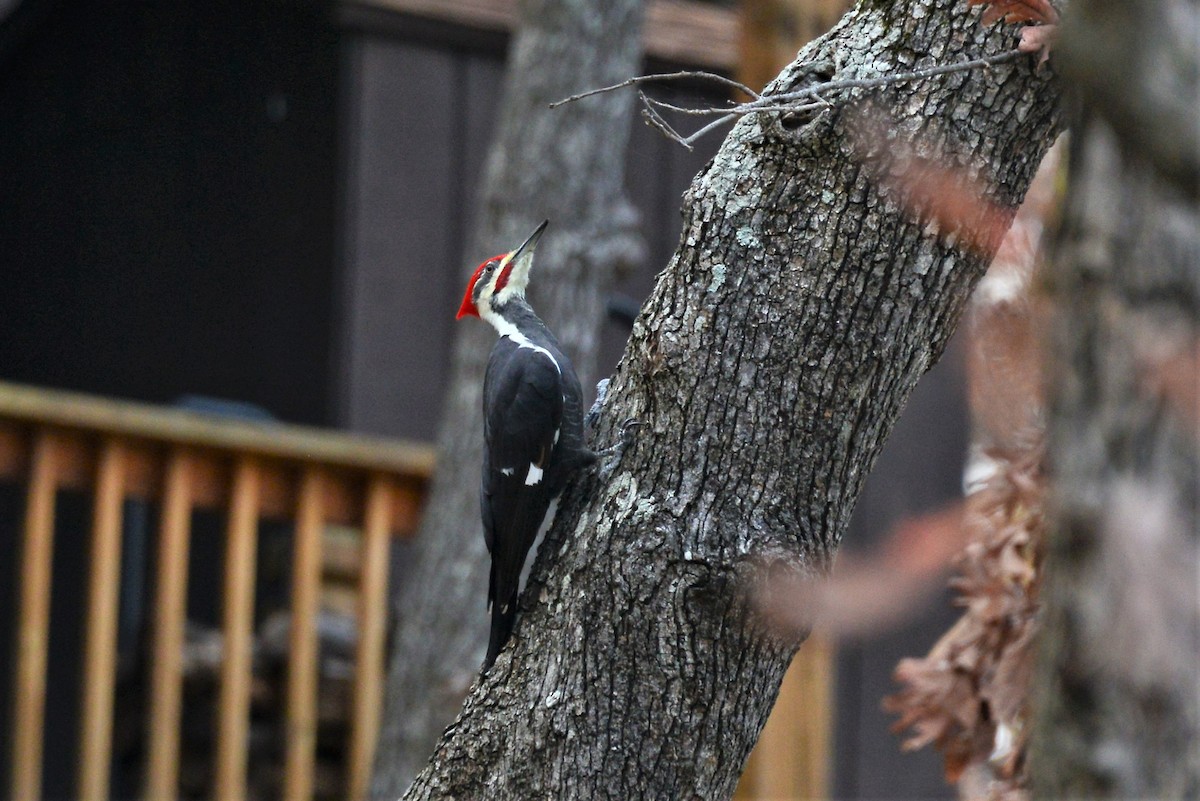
point(566, 166)
point(768, 365)
point(1117, 704)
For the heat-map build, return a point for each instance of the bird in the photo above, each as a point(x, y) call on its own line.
point(532, 426)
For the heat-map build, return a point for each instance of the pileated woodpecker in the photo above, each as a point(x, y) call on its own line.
point(532, 426)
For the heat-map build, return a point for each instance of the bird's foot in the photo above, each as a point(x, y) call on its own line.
point(626, 438)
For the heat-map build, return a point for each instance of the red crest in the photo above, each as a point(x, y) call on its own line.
point(468, 309)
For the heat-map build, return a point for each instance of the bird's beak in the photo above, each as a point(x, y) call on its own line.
point(522, 258)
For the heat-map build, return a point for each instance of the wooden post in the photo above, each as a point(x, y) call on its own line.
point(33, 632)
point(238, 630)
point(792, 757)
point(170, 613)
point(100, 642)
point(302, 657)
point(372, 627)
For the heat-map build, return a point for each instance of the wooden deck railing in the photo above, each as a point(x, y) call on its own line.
point(54, 441)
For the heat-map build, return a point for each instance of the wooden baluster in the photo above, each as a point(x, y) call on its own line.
point(100, 643)
point(792, 758)
point(34, 622)
point(817, 682)
point(302, 656)
point(372, 626)
point(170, 613)
point(234, 704)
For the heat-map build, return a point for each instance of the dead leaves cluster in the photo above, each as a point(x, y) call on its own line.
point(968, 695)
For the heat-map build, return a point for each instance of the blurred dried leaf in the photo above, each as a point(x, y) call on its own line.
point(967, 697)
point(1037, 11)
point(1038, 39)
point(1174, 377)
point(946, 198)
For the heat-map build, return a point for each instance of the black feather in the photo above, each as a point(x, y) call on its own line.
point(533, 418)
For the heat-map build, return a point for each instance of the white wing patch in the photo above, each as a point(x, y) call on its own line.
point(506, 471)
point(533, 476)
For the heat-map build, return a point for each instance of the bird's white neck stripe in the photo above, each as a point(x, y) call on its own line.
point(507, 329)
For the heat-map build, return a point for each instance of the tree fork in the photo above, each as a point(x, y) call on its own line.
point(771, 360)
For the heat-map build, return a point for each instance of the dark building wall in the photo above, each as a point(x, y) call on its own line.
point(166, 227)
point(416, 132)
point(167, 200)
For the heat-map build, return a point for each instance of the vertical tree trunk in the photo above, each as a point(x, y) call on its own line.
point(566, 166)
point(778, 347)
point(1117, 704)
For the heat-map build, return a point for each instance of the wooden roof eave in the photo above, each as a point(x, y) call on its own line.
point(681, 32)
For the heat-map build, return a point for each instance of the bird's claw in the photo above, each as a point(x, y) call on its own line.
point(625, 438)
point(629, 430)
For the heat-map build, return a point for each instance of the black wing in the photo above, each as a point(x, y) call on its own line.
point(522, 419)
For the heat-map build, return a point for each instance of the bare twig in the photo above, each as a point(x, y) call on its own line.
point(712, 126)
point(686, 75)
point(706, 111)
point(656, 121)
point(785, 102)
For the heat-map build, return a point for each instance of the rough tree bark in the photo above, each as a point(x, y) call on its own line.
point(1117, 702)
point(775, 352)
point(568, 167)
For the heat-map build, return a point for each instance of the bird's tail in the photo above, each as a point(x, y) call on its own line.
point(504, 616)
